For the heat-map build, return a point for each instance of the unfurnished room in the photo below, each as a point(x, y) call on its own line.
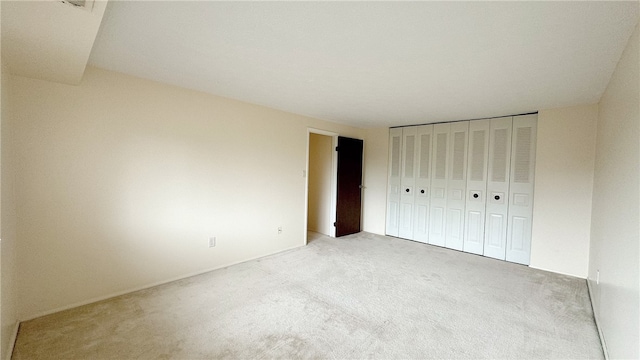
point(333, 179)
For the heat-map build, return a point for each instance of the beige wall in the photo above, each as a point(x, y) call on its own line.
point(376, 150)
point(320, 175)
point(565, 153)
point(123, 180)
point(615, 236)
point(8, 271)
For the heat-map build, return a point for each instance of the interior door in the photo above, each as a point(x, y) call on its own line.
point(495, 240)
point(439, 179)
point(457, 184)
point(476, 186)
point(349, 196)
point(523, 152)
point(408, 182)
point(423, 184)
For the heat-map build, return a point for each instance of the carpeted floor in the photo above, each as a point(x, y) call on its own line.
point(360, 296)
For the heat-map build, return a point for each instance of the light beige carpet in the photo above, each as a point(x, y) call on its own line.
point(360, 296)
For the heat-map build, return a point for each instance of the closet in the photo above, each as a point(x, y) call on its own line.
point(465, 185)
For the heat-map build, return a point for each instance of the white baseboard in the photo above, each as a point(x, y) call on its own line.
point(12, 340)
point(557, 272)
point(595, 317)
point(120, 293)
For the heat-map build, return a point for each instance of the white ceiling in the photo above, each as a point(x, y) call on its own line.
point(374, 63)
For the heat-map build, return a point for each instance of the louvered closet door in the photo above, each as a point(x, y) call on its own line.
point(495, 238)
point(476, 186)
point(439, 178)
point(408, 181)
point(393, 195)
point(457, 184)
point(523, 151)
point(423, 184)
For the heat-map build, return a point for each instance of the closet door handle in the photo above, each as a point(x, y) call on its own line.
point(422, 191)
point(497, 197)
point(406, 190)
point(475, 196)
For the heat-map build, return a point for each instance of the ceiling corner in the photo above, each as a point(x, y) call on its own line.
point(49, 40)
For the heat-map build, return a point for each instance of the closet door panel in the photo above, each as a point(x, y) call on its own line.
point(439, 179)
point(498, 188)
point(465, 185)
point(393, 191)
point(457, 184)
point(476, 186)
point(523, 153)
point(474, 232)
point(408, 181)
point(423, 183)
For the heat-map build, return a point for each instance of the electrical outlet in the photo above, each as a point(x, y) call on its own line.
point(212, 242)
point(597, 277)
point(279, 230)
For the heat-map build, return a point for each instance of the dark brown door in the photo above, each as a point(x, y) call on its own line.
point(348, 203)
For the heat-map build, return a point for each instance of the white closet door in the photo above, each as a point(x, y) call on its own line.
point(393, 195)
point(408, 181)
point(423, 184)
point(476, 186)
point(498, 188)
point(439, 178)
point(523, 152)
point(457, 184)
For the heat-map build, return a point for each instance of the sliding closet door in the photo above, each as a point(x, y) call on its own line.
point(498, 188)
point(393, 194)
point(408, 181)
point(423, 184)
point(476, 186)
point(457, 184)
point(439, 178)
point(523, 151)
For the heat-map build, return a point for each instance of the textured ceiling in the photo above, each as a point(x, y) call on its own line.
point(374, 63)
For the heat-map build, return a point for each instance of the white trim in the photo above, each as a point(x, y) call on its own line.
point(132, 290)
point(321, 132)
point(595, 318)
point(554, 271)
point(334, 181)
point(12, 340)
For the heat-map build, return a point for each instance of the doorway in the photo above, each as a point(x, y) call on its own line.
point(333, 190)
point(321, 182)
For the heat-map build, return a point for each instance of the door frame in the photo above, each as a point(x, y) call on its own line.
point(334, 180)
